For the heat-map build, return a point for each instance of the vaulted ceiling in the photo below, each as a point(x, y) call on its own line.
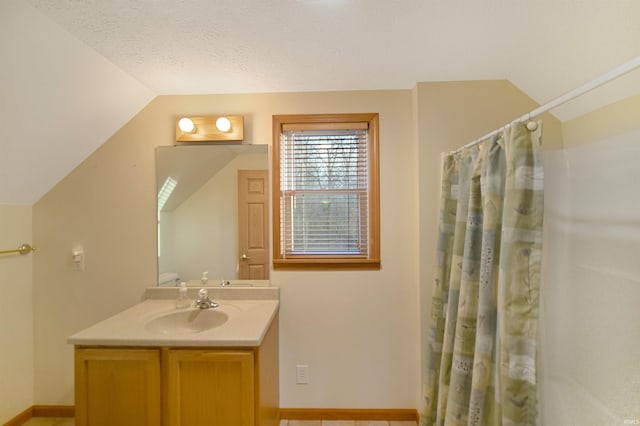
point(86, 64)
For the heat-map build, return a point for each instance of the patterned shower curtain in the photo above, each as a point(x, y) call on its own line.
point(481, 358)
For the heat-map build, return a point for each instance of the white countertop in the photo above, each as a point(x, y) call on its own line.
point(247, 323)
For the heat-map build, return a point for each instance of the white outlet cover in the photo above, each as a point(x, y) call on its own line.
point(302, 374)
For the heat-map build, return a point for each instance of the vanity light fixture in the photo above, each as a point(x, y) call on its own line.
point(228, 128)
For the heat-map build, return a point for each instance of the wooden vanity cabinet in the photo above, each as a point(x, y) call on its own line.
point(117, 386)
point(179, 386)
point(209, 387)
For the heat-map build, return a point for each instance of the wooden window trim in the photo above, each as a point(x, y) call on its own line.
point(329, 262)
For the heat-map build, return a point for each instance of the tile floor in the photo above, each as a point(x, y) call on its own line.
point(346, 423)
point(52, 421)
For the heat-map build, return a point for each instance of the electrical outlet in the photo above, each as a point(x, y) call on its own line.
point(302, 374)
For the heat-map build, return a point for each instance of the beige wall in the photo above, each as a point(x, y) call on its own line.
point(357, 331)
point(451, 114)
point(16, 313)
point(77, 97)
point(614, 119)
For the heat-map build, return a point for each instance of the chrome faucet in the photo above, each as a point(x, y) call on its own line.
point(203, 301)
point(224, 283)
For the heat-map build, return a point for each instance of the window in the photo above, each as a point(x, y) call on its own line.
point(326, 192)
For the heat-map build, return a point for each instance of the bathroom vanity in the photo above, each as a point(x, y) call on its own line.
point(155, 365)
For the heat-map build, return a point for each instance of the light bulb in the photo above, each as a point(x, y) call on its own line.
point(186, 125)
point(223, 124)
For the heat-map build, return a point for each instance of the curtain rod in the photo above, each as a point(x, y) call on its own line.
point(578, 91)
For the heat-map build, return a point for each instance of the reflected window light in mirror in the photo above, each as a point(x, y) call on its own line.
point(163, 195)
point(186, 125)
point(165, 192)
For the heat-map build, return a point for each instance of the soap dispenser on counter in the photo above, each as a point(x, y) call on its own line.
point(182, 302)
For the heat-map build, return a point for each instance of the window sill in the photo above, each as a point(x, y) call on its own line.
point(325, 264)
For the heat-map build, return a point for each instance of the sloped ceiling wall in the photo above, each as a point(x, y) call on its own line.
point(74, 71)
point(59, 101)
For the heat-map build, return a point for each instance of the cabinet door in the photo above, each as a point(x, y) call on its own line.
point(209, 387)
point(117, 387)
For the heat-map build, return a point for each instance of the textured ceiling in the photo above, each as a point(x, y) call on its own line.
point(545, 47)
point(75, 65)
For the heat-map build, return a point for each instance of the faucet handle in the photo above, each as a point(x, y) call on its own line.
point(203, 301)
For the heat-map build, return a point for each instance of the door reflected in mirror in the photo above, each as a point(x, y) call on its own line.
point(213, 211)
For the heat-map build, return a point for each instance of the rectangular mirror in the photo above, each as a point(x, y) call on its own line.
point(213, 214)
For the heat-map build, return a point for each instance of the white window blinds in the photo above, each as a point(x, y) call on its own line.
point(324, 192)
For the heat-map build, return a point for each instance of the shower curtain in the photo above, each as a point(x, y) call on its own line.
point(481, 357)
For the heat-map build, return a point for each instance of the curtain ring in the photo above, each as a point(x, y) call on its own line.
point(531, 125)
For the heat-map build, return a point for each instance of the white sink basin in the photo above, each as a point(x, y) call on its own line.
point(187, 321)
